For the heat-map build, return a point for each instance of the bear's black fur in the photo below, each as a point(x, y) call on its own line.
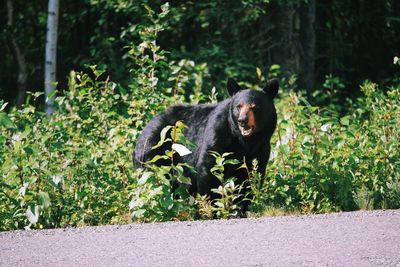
point(242, 124)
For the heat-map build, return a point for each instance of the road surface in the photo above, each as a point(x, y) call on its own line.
point(341, 239)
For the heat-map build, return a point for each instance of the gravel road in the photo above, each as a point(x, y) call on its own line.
point(341, 239)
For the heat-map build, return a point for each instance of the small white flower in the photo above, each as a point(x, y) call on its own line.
point(326, 127)
point(286, 117)
point(283, 141)
point(273, 154)
point(287, 137)
point(154, 81)
point(136, 203)
point(111, 133)
point(16, 137)
point(296, 100)
point(22, 190)
point(57, 179)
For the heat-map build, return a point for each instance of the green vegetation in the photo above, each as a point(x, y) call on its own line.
point(75, 168)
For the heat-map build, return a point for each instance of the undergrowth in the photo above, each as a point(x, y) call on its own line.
point(75, 168)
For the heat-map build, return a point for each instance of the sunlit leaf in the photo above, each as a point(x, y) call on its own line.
point(157, 157)
point(163, 138)
point(181, 149)
point(32, 214)
point(3, 106)
point(232, 161)
point(345, 120)
point(44, 199)
point(145, 176)
point(5, 121)
point(184, 180)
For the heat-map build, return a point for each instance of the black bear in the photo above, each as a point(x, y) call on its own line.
point(242, 124)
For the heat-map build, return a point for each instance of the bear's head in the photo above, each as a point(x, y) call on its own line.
point(253, 111)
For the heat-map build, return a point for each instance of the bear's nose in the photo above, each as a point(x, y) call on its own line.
point(242, 121)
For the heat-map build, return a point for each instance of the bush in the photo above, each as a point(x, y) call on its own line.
point(323, 162)
point(76, 167)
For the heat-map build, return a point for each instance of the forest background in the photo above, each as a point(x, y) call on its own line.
point(350, 40)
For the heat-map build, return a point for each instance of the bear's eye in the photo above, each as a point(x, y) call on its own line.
point(238, 106)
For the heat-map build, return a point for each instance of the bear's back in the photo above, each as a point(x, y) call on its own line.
point(195, 117)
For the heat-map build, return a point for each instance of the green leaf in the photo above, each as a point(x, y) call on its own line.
point(243, 166)
point(167, 203)
point(37, 94)
point(51, 95)
point(165, 8)
point(29, 150)
point(226, 154)
point(157, 157)
point(345, 120)
point(138, 213)
point(184, 180)
point(22, 190)
point(232, 161)
point(5, 121)
point(274, 67)
point(163, 134)
point(259, 73)
point(149, 10)
point(3, 106)
point(144, 178)
point(44, 199)
point(219, 161)
point(32, 214)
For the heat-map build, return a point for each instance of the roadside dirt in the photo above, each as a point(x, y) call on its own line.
point(341, 239)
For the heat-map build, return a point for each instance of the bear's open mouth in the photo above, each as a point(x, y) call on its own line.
point(246, 130)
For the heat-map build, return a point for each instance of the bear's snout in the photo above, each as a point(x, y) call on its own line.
point(243, 120)
point(246, 120)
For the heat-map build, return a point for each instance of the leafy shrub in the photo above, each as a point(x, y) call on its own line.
point(162, 191)
point(76, 168)
point(229, 193)
point(323, 162)
point(73, 169)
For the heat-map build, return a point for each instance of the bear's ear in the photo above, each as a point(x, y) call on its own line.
point(232, 87)
point(271, 88)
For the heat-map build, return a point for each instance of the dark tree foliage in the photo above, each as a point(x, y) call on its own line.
point(352, 40)
point(29, 31)
point(357, 39)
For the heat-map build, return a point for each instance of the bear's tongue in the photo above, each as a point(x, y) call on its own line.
point(246, 130)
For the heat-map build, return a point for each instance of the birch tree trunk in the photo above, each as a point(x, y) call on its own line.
point(51, 55)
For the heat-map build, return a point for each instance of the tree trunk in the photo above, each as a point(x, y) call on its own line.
point(307, 38)
point(286, 36)
point(51, 55)
point(295, 39)
point(18, 55)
